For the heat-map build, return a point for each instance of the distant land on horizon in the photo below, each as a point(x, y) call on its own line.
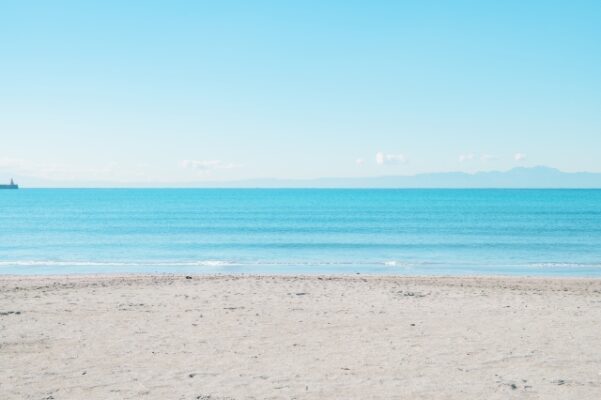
point(519, 177)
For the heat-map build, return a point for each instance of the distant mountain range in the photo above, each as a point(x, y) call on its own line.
point(521, 177)
point(535, 177)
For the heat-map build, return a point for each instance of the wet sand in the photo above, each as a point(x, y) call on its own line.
point(308, 337)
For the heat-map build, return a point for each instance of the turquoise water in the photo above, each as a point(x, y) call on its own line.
point(419, 232)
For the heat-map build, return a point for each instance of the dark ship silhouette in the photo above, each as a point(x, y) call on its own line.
point(11, 185)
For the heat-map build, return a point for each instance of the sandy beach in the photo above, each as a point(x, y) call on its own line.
point(252, 337)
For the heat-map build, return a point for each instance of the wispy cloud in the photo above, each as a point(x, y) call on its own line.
point(55, 171)
point(483, 157)
point(519, 157)
point(488, 157)
point(207, 165)
point(360, 162)
point(14, 164)
point(386, 159)
point(466, 157)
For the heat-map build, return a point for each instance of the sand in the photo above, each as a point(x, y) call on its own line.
point(250, 337)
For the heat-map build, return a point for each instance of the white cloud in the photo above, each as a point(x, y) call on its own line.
point(519, 157)
point(55, 171)
point(360, 162)
point(488, 157)
point(25, 167)
point(385, 159)
point(16, 164)
point(466, 157)
point(206, 165)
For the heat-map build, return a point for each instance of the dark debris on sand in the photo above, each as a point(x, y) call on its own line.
point(4, 313)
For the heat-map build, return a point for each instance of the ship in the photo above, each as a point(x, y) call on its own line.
point(11, 185)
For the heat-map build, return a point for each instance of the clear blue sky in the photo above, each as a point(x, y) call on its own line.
point(191, 90)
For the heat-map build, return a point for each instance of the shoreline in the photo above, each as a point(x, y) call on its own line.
point(342, 275)
point(436, 280)
point(161, 336)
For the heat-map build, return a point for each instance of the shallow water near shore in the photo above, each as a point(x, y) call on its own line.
point(298, 231)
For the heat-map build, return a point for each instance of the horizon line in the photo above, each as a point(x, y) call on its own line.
point(514, 178)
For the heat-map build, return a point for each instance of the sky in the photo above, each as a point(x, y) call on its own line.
point(180, 91)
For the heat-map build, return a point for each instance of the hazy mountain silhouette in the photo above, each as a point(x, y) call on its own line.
point(521, 177)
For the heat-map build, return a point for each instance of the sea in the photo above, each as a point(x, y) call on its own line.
point(301, 231)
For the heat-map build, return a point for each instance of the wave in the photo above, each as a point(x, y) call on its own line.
point(565, 265)
point(199, 263)
point(395, 263)
point(212, 263)
point(77, 263)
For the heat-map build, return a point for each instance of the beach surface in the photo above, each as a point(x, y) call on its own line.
point(299, 337)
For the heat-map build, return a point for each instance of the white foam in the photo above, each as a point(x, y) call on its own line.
point(565, 265)
point(395, 263)
point(79, 263)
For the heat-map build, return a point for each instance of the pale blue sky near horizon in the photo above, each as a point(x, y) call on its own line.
point(191, 90)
